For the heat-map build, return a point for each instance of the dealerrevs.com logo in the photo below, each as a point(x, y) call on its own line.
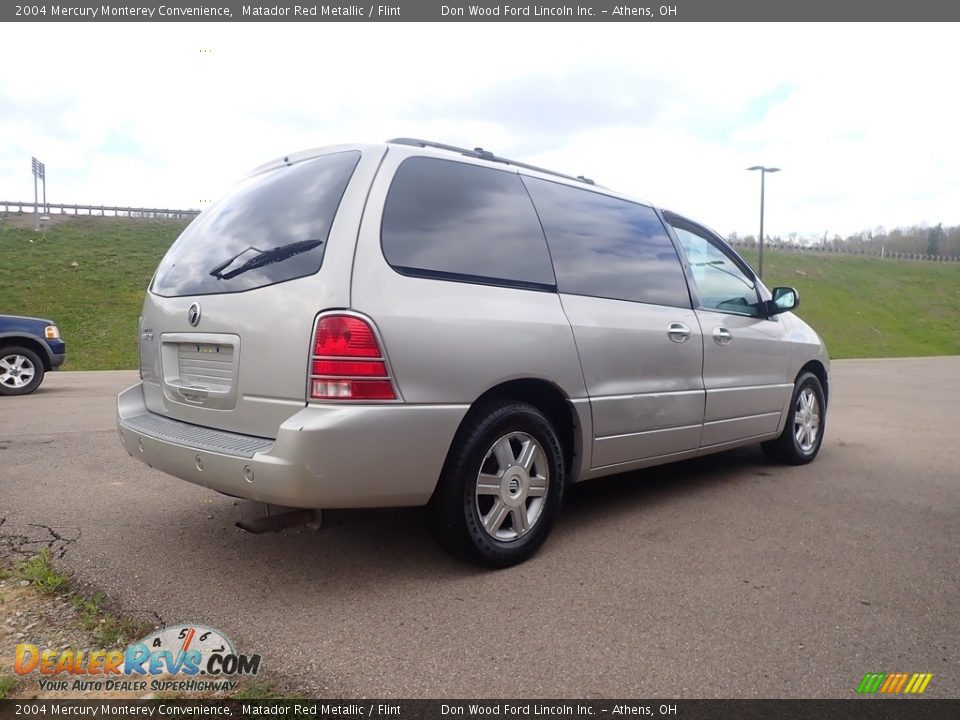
point(184, 658)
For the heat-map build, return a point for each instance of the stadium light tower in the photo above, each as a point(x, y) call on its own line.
point(39, 173)
point(763, 173)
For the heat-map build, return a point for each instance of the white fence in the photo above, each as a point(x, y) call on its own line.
point(11, 206)
point(828, 250)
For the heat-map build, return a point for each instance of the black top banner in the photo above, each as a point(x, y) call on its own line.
point(486, 11)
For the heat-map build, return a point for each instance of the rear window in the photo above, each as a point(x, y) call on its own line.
point(454, 221)
point(271, 227)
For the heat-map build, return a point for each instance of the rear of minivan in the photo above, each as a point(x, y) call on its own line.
point(256, 378)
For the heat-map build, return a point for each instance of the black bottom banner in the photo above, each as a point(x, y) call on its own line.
point(860, 709)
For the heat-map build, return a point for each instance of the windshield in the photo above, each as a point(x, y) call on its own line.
point(270, 228)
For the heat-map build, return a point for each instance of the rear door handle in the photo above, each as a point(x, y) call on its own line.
point(678, 332)
point(722, 336)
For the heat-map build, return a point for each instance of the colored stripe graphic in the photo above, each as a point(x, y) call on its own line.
point(918, 683)
point(871, 682)
point(894, 683)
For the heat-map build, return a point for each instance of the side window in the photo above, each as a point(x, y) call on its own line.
point(721, 283)
point(454, 221)
point(606, 247)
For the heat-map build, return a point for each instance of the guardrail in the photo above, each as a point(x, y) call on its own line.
point(101, 210)
point(820, 250)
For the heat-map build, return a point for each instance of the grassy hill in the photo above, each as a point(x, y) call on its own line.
point(89, 275)
point(868, 307)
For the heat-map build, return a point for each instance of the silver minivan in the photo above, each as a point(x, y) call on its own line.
point(414, 324)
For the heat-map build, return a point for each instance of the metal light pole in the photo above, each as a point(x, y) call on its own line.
point(39, 173)
point(763, 174)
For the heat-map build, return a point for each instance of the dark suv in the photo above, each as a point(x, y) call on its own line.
point(29, 347)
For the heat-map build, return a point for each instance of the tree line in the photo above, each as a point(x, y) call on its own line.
point(923, 239)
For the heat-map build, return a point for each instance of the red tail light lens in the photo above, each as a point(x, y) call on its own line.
point(350, 368)
point(345, 336)
point(335, 374)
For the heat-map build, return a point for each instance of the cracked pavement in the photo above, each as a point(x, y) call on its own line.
point(724, 576)
point(27, 544)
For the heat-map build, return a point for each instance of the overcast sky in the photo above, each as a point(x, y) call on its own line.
point(862, 118)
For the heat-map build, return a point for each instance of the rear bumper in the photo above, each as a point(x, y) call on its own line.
point(324, 456)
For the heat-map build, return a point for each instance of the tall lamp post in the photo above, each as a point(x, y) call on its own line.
point(763, 173)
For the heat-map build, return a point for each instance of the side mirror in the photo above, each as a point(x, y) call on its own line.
point(784, 299)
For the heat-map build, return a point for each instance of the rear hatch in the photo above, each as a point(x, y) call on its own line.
point(226, 330)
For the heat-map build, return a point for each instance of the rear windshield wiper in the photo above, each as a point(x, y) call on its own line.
point(263, 257)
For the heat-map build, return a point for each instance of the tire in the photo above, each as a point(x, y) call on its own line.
point(21, 370)
point(499, 495)
point(802, 435)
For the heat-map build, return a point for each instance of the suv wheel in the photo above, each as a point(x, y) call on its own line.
point(21, 371)
point(803, 434)
point(501, 486)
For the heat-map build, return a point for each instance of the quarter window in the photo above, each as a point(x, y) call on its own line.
point(455, 221)
point(606, 247)
point(721, 283)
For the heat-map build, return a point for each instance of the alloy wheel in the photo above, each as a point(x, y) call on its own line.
point(806, 420)
point(16, 371)
point(511, 486)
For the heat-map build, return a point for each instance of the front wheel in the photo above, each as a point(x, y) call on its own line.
point(501, 486)
point(803, 433)
point(21, 371)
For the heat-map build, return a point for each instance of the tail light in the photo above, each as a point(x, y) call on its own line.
point(348, 362)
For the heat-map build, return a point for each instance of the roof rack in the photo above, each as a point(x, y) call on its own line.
point(485, 155)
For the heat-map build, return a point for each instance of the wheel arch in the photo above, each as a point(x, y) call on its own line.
point(819, 369)
point(31, 343)
point(552, 402)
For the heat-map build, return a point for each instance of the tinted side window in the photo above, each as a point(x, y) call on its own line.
point(606, 247)
point(721, 284)
point(270, 228)
point(456, 221)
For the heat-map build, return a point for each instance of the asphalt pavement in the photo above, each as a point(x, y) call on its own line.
point(725, 576)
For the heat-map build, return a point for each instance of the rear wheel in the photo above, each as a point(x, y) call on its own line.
point(803, 434)
point(501, 486)
point(21, 370)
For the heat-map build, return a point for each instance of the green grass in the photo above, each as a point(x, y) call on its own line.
point(7, 684)
point(861, 306)
point(107, 630)
point(868, 307)
point(38, 571)
point(95, 303)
